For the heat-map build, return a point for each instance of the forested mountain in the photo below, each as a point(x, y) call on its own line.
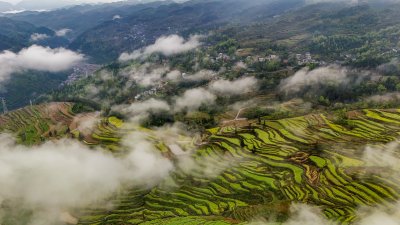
point(359, 35)
point(15, 35)
point(80, 18)
point(144, 26)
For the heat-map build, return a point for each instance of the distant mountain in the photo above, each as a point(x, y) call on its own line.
point(30, 85)
point(103, 31)
point(43, 4)
point(5, 6)
point(107, 40)
point(15, 35)
point(83, 17)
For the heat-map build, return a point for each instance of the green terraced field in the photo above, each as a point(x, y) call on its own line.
point(307, 159)
point(35, 124)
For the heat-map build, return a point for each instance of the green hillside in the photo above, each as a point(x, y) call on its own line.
point(309, 159)
point(275, 104)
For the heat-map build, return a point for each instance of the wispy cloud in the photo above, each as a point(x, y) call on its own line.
point(166, 45)
point(239, 86)
point(65, 175)
point(38, 37)
point(37, 58)
point(194, 98)
point(306, 79)
point(63, 32)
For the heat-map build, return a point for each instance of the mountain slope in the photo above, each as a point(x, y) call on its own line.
point(108, 40)
point(43, 4)
point(15, 35)
point(304, 159)
point(83, 17)
point(274, 163)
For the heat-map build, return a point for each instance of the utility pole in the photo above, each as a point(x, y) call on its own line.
point(5, 109)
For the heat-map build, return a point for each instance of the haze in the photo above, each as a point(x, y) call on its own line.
point(78, 2)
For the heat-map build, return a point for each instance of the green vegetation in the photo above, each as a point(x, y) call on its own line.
point(35, 124)
point(288, 160)
point(283, 149)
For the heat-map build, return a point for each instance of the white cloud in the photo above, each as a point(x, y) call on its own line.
point(200, 75)
point(149, 165)
point(240, 65)
point(86, 122)
point(388, 97)
point(239, 86)
point(117, 17)
point(38, 37)
point(65, 175)
point(37, 58)
point(174, 75)
point(307, 215)
point(335, 75)
point(166, 45)
point(139, 111)
point(305, 78)
point(194, 98)
point(386, 156)
point(380, 215)
point(146, 74)
point(63, 32)
point(209, 166)
point(301, 214)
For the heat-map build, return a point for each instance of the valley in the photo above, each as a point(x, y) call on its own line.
point(213, 112)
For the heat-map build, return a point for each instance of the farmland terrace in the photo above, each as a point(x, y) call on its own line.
point(309, 159)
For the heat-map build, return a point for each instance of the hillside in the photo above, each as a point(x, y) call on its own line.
point(81, 18)
point(146, 25)
point(34, 124)
point(32, 83)
point(308, 159)
point(319, 28)
point(264, 112)
point(15, 35)
point(330, 31)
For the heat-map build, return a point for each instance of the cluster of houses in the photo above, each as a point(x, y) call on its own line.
point(80, 71)
point(269, 58)
point(153, 91)
point(223, 57)
point(300, 59)
point(303, 59)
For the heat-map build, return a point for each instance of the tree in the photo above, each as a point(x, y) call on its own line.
point(398, 87)
point(323, 101)
point(381, 88)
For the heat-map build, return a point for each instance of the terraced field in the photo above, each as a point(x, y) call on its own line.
point(308, 159)
point(35, 124)
point(272, 164)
